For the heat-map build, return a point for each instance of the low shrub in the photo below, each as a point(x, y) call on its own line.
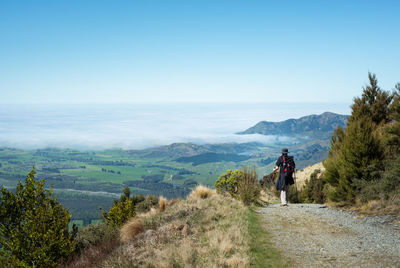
point(97, 251)
point(248, 186)
point(119, 213)
point(293, 194)
point(240, 184)
point(93, 234)
point(149, 202)
point(385, 188)
point(313, 191)
point(228, 182)
point(268, 183)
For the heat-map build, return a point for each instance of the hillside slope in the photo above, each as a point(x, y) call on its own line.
point(314, 125)
point(304, 174)
point(206, 230)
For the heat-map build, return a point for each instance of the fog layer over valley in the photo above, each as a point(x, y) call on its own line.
point(138, 126)
point(166, 149)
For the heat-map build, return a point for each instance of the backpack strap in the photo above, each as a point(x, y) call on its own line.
point(284, 164)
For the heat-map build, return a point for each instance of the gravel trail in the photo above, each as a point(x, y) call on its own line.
point(313, 235)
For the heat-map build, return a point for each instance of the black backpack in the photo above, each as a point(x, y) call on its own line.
point(288, 165)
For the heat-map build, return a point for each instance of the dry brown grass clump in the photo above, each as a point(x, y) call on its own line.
point(136, 225)
point(133, 227)
point(174, 201)
point(202, 192)
point(206, 230)
point(162, 203)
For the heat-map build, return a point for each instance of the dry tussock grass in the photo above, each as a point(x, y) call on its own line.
point(136, 225)
point(162, 203)
point(266, 196)
point(197, 232)
point(202, 192)
point(302, 175)
point(174, 201)
point(380, 207)
point(133, 227)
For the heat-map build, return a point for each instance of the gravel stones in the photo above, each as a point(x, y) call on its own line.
point(312, 235)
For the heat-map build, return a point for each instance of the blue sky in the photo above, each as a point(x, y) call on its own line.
point(195, 51)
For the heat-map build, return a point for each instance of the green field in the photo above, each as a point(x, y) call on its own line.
point(85, 180)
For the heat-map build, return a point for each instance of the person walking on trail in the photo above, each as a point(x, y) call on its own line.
point(286, 166)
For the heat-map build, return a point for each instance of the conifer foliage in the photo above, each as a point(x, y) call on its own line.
point(33, 227)
point(361, 153)
point(121, 211)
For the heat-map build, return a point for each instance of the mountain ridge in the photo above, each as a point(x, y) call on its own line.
point(316, 125)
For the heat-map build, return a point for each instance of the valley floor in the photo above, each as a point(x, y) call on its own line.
point(312, 235)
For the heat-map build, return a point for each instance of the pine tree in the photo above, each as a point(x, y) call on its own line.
point(121, 210)
point(331, 164)
point(33, 226)
point(356, 153)
point(392, 137)
point(359, 158)
point(374, 103)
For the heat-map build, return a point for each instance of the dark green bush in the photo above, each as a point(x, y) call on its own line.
point(313, 191)
point(384, 186)
point(33, 227)
point(127, 206)
point(147, 203)
point(293, 194)
point(119, 213)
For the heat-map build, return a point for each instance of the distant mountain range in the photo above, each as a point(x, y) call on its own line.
point(309, 145)
point(316, 126)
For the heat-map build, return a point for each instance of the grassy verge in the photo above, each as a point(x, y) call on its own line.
point(205, 230)
point(262, 254)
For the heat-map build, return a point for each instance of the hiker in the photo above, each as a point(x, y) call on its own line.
point(287, 167)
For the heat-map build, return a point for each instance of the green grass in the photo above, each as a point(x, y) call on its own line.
point(65, 161)
point(262, 253)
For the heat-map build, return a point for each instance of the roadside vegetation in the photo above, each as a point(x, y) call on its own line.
point(207, 229)
point(33, 227)
point(363, 163)
point(362, 169)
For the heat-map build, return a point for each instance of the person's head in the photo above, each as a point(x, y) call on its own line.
point(285, 151)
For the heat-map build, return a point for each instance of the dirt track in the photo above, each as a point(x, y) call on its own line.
point(312, 235)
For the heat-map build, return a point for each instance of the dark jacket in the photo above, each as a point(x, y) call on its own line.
point(285, 178)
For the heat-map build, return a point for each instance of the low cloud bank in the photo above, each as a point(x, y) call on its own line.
point(126, 141)
point(139, 126)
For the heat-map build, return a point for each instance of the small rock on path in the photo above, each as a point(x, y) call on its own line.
point(312, 235)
